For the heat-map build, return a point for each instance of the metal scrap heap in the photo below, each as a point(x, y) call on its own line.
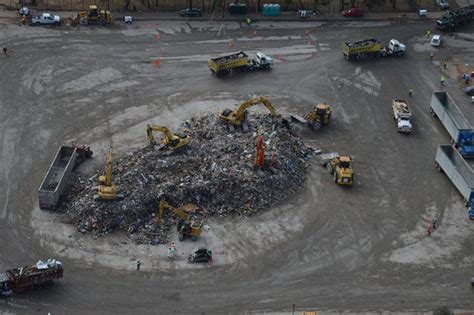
point(215, 173)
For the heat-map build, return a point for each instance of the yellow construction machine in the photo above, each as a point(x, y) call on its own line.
point(93, 16)
point(170, 140)
point(186, 228)
point(238, 118)
point(107, 189)
point(341, 167)
point(316, 118)
point(319, 116)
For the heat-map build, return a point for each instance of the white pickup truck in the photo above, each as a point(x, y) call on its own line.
point(46, 19)
point(402, 114)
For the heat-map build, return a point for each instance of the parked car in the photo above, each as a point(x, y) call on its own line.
point(436, 40)
point(24, 11)
point(46, 19)
point(469, 90)
point(190, 12)
point(443, 4)
point(353, 12)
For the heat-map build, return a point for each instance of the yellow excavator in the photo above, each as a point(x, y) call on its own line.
point(186, 228)
point(341, 167)
point(170, 140)
point(238, 118)
point(107, 189)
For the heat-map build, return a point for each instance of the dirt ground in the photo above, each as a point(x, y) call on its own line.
point(328, 248)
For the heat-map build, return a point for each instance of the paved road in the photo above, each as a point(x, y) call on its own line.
point(327, 248)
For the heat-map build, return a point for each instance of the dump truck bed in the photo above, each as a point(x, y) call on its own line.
point(222, 63)
point(400, 108)
point(457, 169)
point(28, 277)
point(450, 116)
point(366, 46)
point(56, 178)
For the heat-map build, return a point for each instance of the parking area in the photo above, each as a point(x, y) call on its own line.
point(326, 248)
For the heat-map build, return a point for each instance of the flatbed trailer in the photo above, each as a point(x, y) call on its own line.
point(459, 172)
point(458, 127)
point(26, 278)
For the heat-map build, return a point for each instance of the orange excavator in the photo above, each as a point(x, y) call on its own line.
point(260, 156)
point(263, 161)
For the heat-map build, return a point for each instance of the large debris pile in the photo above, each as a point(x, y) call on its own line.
point(215, 172)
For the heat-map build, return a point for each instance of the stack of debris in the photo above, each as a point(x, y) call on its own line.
point(215, 172)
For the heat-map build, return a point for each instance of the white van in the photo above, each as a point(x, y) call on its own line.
point(436, 40)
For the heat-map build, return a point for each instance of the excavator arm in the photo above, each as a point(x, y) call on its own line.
point(108, 172)
point(107, 189)
point(237, 117)
point(166, 206)
point(169, 139)
point(239, 114)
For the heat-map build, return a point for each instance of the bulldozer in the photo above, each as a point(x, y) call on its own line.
point(170, 140)
point(238, 118)
point(186, 227)
point(341, 168)
point(107, 189)
point(316, 118)
point(93, 16)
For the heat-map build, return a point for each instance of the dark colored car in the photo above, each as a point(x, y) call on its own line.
point(202, 255)
point(469, 90)
point(353, 12)
point(190, 12)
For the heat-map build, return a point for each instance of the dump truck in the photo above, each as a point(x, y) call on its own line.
point(458, 127)
point(402, 115)
point(372, 48)
point(239, 62)
point(454, 18)
point(55, 180)
point(41, 274)
point(450, 161)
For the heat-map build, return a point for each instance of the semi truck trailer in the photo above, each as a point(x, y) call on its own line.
point(372, 48)
point(458, 127)
point(459, 172)
point(239, 62)
point(41, 274)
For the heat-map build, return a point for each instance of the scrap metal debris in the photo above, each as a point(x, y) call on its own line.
point(215, 173)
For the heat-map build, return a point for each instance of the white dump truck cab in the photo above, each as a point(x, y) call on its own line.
point(396, 47)
point(404, 124)
point(263, 60)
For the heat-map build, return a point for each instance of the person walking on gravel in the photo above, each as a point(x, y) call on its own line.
point(138, 264)
point(5, 49)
